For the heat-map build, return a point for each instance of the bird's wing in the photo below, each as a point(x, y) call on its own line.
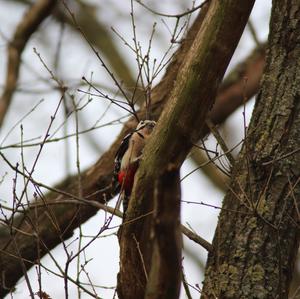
point(118, 159)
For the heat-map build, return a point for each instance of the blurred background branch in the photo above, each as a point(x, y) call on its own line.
point(28, 25)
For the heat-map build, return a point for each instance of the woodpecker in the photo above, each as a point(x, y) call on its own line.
point(127, 159)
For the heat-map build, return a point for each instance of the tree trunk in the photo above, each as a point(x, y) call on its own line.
point(257, 237)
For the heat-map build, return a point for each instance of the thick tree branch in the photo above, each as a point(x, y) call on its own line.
point(178, 128)
point(34, 16)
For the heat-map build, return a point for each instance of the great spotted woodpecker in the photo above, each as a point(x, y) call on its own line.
point(127, 159)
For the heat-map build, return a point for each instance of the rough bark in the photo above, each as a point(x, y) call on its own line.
point(256, 246)
point(178, 128)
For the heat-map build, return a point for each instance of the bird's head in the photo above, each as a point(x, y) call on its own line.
point(145, 127)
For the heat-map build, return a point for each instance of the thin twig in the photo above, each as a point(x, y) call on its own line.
point(141, 256)
point(221, 141)
point(254, 34)
point(196, 238)
point(170, 15)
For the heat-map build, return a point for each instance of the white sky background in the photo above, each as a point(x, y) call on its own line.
point(77, 60)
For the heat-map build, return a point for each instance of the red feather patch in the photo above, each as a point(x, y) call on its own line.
point(126, 178)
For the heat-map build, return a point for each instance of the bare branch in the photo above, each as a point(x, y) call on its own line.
point(180, 15)
point(196, 238)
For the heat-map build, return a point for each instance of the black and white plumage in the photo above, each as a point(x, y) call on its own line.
point(127, 159)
